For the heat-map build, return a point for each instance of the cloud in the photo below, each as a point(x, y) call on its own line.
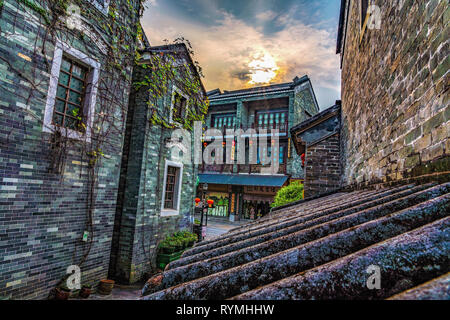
point(226, 49)
point(266, 15)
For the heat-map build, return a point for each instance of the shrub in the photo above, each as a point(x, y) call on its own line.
point(288, 194)
point(178, 241)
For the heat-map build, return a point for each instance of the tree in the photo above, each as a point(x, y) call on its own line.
point(288, 194)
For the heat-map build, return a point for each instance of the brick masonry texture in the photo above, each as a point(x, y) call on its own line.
point(322, 164)
point(43, 215)
point(395, 102)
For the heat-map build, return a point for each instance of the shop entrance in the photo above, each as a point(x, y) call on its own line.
point(255, 209)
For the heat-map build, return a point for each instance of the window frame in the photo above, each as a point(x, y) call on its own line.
point(223, 116)
point(68, 89)
point(179, 182)
point(90, 95)
point(176, 90)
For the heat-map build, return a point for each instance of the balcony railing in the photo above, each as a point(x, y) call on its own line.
point(256, 168)
point(282, 127)
point(241, 168)
point(222, 168)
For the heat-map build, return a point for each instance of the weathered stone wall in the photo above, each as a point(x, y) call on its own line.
point(322, 166)
point(42, 214)
point(395, 99)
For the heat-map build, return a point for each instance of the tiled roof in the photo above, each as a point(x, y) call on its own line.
point(243, 179)
point(317, 117)
point(321, 249)
point(271, 89)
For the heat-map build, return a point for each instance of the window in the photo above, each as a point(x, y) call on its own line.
point(281, 154)
point(178, 106)
point(101, 5)
point(171, 180)
point(173, 174)
point(271, 119)
point(224, 121)
point(72, 93)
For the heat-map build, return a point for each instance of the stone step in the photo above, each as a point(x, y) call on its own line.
point(404, 261)
point(260, 246)
point(436, 289)
point(228, 283)
point(349, 208)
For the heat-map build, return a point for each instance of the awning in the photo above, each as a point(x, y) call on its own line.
point(243, 179)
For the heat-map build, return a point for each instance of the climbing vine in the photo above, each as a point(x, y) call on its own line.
point(168, 69)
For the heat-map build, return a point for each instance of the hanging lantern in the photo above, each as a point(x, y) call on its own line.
point(197, 201)
point(210, 203)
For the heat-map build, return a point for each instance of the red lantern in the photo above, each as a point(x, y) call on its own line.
point(210, 202)
point(197, 200)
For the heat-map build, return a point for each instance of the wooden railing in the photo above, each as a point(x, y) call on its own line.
point(282, 127)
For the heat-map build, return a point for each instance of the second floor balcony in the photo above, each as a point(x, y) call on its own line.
point(240, 168)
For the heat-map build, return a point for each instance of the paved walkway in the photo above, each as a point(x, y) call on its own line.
point(215, 228)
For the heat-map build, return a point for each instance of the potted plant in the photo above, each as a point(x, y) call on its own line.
point(62, 292)
point(192, 238)
point(85, 291)
point(185, 241)
point(164, 247)
point(172, 243)
point(105, 286)
point(178, 244)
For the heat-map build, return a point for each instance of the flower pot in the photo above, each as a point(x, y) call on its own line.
point(62, 294)
point(105, 286)
point(85, 292)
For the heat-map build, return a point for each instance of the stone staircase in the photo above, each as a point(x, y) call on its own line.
point(320, 249)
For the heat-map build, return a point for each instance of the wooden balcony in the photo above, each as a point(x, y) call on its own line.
point(242, 168)
point(221, 168)
point(282, 127)
point(256, 168)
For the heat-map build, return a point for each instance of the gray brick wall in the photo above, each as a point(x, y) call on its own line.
point(141, 225)
point(42, 214)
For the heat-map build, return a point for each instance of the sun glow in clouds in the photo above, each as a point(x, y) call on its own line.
point(263, 68)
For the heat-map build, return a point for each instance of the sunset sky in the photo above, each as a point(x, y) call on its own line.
point(244, 43)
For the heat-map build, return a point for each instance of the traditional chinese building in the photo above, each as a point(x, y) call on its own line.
point(241, 189)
